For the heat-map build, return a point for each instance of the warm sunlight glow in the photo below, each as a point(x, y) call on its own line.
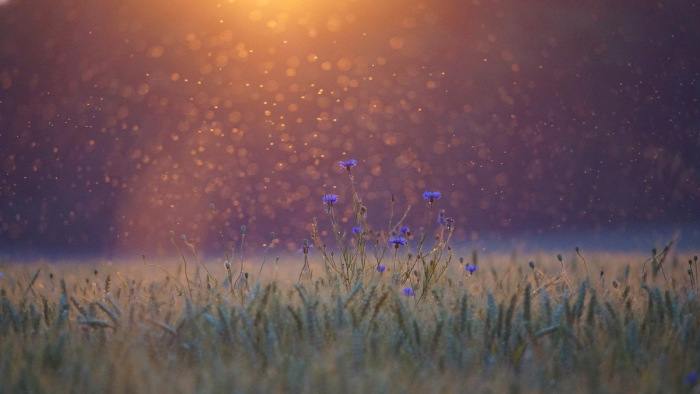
point(120, 122)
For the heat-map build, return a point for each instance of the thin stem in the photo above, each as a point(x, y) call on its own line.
point(563, 273)
point(263, 262)
point(184, 263)
point(328, 260)
point(584, 262)
point(306, 264)
point(240, 274)
point(221, 230)
point(163, 269)
point(190, 244)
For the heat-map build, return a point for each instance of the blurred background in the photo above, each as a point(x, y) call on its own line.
point(123, 120)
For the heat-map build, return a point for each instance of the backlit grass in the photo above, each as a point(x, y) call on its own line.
point(108, 328)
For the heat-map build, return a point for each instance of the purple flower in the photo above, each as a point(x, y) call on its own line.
point(431, 196)
point(398, 241)
point(306, 247)
point(347, 165)
point(442, 220)
point(691, 378)
point(381, 268)
point(408, 292)
point(405, 230)
point(330, 199)
point(357, 229)
point(470, 268)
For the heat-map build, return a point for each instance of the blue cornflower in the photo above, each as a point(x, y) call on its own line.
point(691, 378)
point(330, 199)
point(405, 230)
point(470, 268)
point(381, 268)
point(408, 292)
point(442, 220)
point(357, 229)
point(347, 165)
point(398, 241)
point(306, 247)
point(431, 196)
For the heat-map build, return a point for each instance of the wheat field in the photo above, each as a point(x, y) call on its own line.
point(578, 322)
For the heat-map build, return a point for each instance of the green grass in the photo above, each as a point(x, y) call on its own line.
point(510, 327)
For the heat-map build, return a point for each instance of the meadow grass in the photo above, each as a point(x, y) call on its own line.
point(509, 326)
point(361, 310)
